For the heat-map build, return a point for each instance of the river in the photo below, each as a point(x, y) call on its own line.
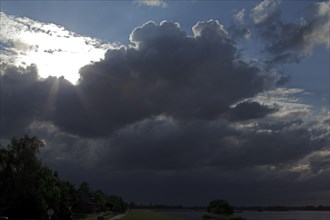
point(266, 215)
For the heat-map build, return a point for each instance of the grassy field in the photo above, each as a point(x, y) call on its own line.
point(90, 217)
point(148, 215)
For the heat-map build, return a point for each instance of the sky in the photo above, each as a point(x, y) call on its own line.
point(176, 102)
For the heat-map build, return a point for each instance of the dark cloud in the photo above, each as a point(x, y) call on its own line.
point(168, 72)
point(264, 147)
point(161, 162)
point(168, 117)
point(168, 145)
point(162, 103)
point(249, 110)
point(245, 186)
point(26, 98)
point(165, 72)
point(21, 99)
point(319, 161)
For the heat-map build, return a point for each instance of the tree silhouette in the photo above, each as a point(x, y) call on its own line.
point(221, 207)
point(27, 187)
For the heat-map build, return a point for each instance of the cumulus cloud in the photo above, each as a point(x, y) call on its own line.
point(163, 72)
point(151, 3)
point(18, 92)
point(168, 72)
point(168, 94)
point(25, 98)
point(170, 109)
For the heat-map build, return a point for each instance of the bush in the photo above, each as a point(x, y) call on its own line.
point(220, 207)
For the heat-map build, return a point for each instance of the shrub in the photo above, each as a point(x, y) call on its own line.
point(220, 207)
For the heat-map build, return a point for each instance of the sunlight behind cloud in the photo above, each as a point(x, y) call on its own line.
point(55, 51)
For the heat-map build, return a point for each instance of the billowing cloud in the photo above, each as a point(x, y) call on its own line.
point(164, 72)
point(168, 94)
point(167, 72)
point(169, 110)
point(17, 88)
point(25, 98)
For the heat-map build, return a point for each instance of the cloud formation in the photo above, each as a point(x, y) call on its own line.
point(284, 42)
point(290, 42)
point(164, 72)
point(151, 3)
point(160, 153)
point(167, 72)
point(171, 109)
point(26, 98)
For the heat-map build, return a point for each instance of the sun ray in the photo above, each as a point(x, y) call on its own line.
point(52, 96)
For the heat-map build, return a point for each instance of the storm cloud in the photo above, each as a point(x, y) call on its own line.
point(22, 98)
point(163, 72)
point(170, 109)
point(167, 72)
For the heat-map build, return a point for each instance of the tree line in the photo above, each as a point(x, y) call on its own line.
point(28, 188)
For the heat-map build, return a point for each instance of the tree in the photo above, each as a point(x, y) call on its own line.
point(27, 187)
point(84, 187)
point(19, 171)
point(69, 196)
point(101, 199)
point(118, 204)
point(220, 207)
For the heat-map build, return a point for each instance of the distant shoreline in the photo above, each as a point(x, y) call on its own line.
point(237, 209)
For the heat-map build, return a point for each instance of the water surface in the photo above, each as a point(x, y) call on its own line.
point(267, 215)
